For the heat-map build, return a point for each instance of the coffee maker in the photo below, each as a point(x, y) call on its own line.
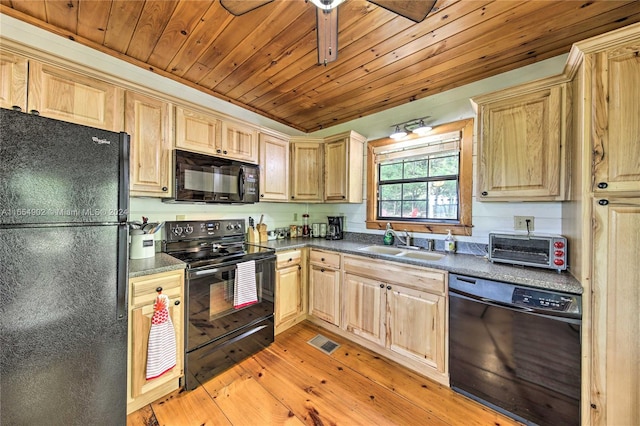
point(335, 227)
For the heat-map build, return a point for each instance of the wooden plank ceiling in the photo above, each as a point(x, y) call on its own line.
point(266, 60)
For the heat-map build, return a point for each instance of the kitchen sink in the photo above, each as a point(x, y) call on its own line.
point(382, 250)
point(407, 253)
point(422, 255)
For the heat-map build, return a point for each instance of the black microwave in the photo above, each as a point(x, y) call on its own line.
point(201, 178)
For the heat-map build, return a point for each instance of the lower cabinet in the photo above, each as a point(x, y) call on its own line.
point(324, 286)
point(401, 309)
point(142, 295)
point(290, 290)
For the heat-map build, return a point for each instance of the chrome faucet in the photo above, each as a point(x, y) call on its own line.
point(407, 238)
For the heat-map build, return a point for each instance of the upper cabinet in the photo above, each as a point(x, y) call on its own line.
point(616, 124)
point(274, 167)
point(306, 169)
point(239, 141)
point(343, 168)
point(148, 121)
point(522, 137)
point(13, 81)
point(76, 98)
point(197, 131)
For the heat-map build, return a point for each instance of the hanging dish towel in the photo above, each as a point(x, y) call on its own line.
point(245, 292)
point(161, 353)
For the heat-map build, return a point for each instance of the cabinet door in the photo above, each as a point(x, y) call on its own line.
point(197, 131)
point(324, 294)
point(364, 307)
point(520, 147)
point(13, 81)
point(615, 357)
point(306, 171)
point(148, 121)
point(343, 168)
point(239, 141)
point(416, 325)
point(288, 294)
point(616, 127)
point(274, 168)
point(67, 96)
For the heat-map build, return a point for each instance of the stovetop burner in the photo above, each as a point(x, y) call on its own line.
point(209, 242)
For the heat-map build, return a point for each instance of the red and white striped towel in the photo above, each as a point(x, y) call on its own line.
point(245, 292)
point(161, 352)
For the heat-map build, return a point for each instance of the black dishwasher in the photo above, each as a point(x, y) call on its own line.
point(516, 349)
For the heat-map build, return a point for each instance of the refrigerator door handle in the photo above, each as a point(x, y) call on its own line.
point(123, 190)
point(123, 272)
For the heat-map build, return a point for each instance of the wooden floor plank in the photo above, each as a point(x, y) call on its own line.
point(291, 382)
point(189, 408)
point(246, 402)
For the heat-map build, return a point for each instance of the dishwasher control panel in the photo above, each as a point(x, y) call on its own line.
point(541, 299)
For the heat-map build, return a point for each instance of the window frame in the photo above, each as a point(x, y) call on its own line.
point(463, 227)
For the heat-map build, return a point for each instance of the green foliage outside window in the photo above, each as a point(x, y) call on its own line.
point(421, 189)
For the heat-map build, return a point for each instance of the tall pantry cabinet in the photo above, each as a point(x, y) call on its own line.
point(602, 221)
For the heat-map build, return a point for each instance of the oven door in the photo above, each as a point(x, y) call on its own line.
point(219, 334)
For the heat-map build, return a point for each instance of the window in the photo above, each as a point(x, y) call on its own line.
point(422, 183)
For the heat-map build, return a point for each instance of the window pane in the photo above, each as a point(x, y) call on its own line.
point(390, 209)
point(391, 192)
point(443, 199)
point(414, 209)
point(391, 171)
point(416, 169)
point(444, 166)
point(414, 191)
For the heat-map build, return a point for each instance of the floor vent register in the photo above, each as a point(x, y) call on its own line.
point(324, 344)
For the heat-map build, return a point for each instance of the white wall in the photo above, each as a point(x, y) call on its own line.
point(448, 106)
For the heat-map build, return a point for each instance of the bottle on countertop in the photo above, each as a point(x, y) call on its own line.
point(388, 236)
point(449, 243)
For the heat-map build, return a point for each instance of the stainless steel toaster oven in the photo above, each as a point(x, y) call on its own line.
point(540, 250)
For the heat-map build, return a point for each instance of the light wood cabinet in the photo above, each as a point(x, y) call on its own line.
point(616, 123)
point(602, 221)
point(306, 170)
point(148, 122)
point(343, 168)
point(274, 167)
point(290, 306)
point(324, 285)
point(142, 296)
point(239, 141)
point(76, 98)
point(522, 138)
point(401, 308)
point(13, 81)
point(197, 131)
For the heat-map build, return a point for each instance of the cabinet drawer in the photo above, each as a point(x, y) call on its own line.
point(427, 279)
point(288, 258)
point(143, 289)
point(325, 258)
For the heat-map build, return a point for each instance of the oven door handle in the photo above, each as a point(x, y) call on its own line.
point(206, 272)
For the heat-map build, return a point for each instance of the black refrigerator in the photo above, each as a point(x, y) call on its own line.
point(64, 197)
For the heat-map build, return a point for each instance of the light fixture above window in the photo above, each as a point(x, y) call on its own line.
point(326, 4)
point(415, 125)
point(398, 133)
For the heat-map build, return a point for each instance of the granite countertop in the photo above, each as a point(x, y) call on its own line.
point(464, 264)
point(161, 262)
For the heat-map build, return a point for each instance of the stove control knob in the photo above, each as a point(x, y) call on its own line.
point(229, 227)
point(237, 226)
point(188, 229)
point(177, 230)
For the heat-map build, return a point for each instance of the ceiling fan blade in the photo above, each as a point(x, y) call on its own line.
point(327, 31)
point(240, 7)
point(416, 10)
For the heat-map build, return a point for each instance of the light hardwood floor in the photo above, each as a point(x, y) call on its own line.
point(293, 383)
